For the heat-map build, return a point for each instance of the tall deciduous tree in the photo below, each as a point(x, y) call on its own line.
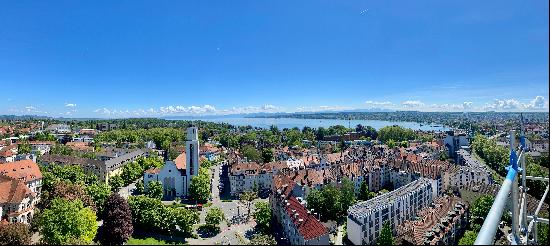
point(347, 194)
point(116, 182)
point(99, 194)
point(67, 222)
point(69, 192)
point(199, 189)
point(15, 234)
point(364, 193)
point(262, 215)
point(117, 225)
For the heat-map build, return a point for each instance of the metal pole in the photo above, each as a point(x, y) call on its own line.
point(487, 232)
point(515, 198)
point(523, 218)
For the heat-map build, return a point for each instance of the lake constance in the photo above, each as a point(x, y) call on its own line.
point(315, 123)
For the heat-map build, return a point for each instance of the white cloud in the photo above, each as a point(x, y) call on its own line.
point(103, 111)
point(467, 105)
point(376, 103)
point(538, 103)
point(70, 105)
point(412, 104)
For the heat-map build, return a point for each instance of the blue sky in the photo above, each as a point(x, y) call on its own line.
point(153, 58)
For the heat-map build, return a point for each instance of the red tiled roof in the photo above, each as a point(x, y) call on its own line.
point(248, 166)
point(27, 170)
point(181, 161)
point(153, 171)
point(308, 226)
point(6, 153)
point(12, 190)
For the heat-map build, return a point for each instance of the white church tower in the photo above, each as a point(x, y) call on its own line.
point(192, 154)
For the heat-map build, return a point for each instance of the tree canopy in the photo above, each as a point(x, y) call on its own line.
point(117, 225)
point(15, 234)
point(67, 222)
point(150, 214)
point(154, 189)
point(331, 201)
point(199, 189)
point(262, 215)
point(395, 133)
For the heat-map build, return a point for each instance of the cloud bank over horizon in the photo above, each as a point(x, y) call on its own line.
point(537, 104)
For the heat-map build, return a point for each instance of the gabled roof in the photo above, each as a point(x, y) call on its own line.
point(308, 226)
point(26, 170)
point(181, 161)
point(13, 190)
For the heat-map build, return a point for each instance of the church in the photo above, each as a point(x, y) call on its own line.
point(176, 175)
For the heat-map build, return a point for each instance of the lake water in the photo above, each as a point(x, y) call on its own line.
point(315, 123)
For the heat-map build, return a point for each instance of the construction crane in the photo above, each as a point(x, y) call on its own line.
point(524, 226)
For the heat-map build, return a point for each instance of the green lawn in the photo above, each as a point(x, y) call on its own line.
point(148, 241)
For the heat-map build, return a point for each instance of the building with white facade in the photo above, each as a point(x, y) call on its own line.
point(176, 175)
point(20, 190)
point(454, 141)
point(469, 171)
point(365, 219)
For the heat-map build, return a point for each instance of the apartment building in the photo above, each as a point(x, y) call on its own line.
point(441, 223)
point(20, 190)
point(365, 219)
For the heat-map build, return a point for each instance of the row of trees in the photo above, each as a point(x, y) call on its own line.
point(133, 171)
point(163, 137)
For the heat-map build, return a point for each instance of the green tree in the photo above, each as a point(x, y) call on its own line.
point(150, 214)
point(247, 198)
point(468, 238)
point(364, 193)
point(99, 194)
point(251, 153)
point(214, 217)
point(327, 202)
point(267, 155)
point(386, 235)
point(199, 189)
point(154, 189)
point(116, 182)
point(262, 215)
point(347, 194)
point(67, 222)
point(24, 148)
point(262, 239)
point(15, 234)
point(140, 188)
point(396, 133)
point(480, 208)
